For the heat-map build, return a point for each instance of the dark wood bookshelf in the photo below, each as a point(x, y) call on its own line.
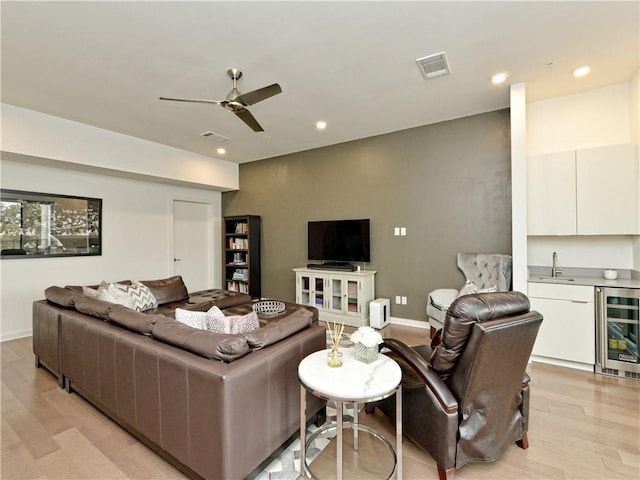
point(241, 271)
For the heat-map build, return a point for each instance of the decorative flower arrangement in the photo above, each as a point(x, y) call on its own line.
point(367, 336)
point(366, 341)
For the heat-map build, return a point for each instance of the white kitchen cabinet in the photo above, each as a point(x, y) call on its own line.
point(551, 187)
point(567, 334)
point(593, 191)
point(608, 190)
point(338, 296)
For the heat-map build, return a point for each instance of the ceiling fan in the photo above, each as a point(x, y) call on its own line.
point(237, 102)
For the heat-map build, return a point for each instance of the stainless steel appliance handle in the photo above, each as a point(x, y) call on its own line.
point(601, 328)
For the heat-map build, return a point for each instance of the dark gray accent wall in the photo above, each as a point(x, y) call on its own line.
point(449, 184)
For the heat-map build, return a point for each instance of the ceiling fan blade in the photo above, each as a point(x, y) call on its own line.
point(260, 94)
point(192, 100)
point(250, 120)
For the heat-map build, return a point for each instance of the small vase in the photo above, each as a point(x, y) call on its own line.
point(335, 358)
point(366, 354)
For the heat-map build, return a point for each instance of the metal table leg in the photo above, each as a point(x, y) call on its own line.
point(303, 430)
point(399, 432)
point(355, 427)
point(339, 435)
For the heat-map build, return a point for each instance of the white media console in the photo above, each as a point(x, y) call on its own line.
point(338, 295)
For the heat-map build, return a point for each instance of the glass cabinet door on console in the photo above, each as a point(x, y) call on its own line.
point(312, 290)
point(345, 297)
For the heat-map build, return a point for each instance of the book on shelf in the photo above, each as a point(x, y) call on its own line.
point(241, 274)
point(242, 228)
point(238, 243)
point(237, 287)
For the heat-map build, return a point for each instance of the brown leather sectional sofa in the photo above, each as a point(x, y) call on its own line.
point(216, 406)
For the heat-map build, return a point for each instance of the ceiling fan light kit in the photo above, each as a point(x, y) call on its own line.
point(237, 102)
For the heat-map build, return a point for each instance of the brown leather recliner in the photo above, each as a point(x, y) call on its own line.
point(467, 398)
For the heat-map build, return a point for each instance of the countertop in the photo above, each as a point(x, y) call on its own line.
point(564, 279)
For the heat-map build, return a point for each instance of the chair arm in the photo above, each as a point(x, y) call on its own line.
point(421, 367)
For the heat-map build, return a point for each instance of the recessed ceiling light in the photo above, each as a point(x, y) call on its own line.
point(498, 78)
point(321, 125)
point(221, 151)
point(581, 71)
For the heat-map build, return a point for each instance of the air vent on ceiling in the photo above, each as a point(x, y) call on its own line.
point(433, 65)
point(215, 136)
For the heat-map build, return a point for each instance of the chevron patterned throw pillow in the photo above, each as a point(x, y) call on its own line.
point(135, 296)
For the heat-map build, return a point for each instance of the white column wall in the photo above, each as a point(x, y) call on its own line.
point(519, 186)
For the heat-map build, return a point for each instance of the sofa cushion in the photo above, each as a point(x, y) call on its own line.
point(93, 306)
point(168, 290)
point(61, 296)
point(201, 342)
point(279, 328)
point(79, 288)
point(132, 320)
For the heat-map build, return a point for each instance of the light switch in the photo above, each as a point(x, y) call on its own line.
point(404, 300)
point(396, 231)
point(403, 231)
point(398, 300)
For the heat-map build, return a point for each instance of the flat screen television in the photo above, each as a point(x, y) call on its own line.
point(339, 241)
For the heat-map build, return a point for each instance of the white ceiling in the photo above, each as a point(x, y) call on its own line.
point(351, 64)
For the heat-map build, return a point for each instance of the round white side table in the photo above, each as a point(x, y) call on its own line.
point(353, 382)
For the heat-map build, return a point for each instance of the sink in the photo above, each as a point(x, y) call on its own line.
point(557, 279)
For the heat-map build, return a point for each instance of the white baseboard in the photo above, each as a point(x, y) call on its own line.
point(563, 363)
point(5, 337)
point(407, 322)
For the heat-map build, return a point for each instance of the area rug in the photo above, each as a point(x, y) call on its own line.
point(287, 465)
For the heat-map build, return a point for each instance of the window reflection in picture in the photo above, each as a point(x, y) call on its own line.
point(43, 225)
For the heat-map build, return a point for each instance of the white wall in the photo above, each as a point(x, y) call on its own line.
point(137, 181)
point(594, 118)
point(589, 119)
point(82, 146)
point(136, 237)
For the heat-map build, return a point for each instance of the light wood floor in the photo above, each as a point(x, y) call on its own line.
point(582, 426)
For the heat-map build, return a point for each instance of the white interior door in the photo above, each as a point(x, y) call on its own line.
point(193, 244)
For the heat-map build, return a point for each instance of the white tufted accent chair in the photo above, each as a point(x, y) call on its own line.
point(486, 270)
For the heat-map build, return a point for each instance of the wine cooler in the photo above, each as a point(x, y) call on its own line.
point(618, 319)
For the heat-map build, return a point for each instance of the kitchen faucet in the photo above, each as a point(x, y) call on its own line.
point(555, 270)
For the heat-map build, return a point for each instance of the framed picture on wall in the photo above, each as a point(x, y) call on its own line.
point(37, 225)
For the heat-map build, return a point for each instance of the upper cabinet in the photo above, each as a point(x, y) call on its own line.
point(551, 206)
point(608, 184)
point(594, 191)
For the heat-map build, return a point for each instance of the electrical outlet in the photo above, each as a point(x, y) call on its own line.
point(396, 231)
point(404, 300)
point(398, 299)
point(403, 231)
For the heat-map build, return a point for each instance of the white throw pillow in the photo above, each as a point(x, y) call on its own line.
point(233, 323)
point(469, 287)
point(216, 321)
point(193, 319)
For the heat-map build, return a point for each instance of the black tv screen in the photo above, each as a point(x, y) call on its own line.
point(339, 240)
